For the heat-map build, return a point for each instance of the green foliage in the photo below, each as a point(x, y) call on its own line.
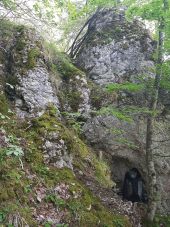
point(115, 112)
point(9, 3)
point(62, 225)
point(2, 216)
point(48, 224)
point(165, 82)
point(75, 206)
point(14, 150)
point(158, 221)
point(153, 10)
point(13, 147)
point(77, 13)
point(33, 54)
point(73, 122)
point(2, 116)
point(131, 87)
point(58, 202)
point(118, 222)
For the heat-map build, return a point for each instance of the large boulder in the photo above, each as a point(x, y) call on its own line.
point(116, 50)
point(26, 78)
point(33, 79)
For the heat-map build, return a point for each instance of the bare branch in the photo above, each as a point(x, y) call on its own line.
point(78, 42)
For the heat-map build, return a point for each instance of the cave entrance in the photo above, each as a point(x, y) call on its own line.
point(130, 184)
point(133, 187)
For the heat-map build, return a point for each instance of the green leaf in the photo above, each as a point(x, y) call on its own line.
point(131, 87)
point(115, 112)
point(2, 216)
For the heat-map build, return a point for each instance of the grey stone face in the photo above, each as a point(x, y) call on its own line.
point(114, 65)
point(34, 92)
point(122, 140)
point(115, 50)
point(79, 102)
point(124, 143)
point(29, 84)
point(56, 152)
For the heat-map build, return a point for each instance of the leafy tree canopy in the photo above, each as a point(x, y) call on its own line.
point(62, 18)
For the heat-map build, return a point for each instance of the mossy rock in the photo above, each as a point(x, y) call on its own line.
point(74, 99)
point(27, 49)
point(7, 30)
point(14, 182)
point(100, 97)
point(33, 54)
point(3, 104)
point(159, 220)
point(83, 157)
point(66, 68)
point(86, 206)
point(60, 62)
point(102, 218)
point(12, 211)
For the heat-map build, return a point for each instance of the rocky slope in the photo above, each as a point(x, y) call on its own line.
point(120, 52)
point(44, 163)
point(52, 172)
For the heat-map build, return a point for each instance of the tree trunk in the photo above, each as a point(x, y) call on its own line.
point(152, 179)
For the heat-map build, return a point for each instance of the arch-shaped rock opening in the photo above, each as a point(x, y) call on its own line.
point(132, 189)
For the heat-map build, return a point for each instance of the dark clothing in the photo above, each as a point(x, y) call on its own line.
point(133, 187)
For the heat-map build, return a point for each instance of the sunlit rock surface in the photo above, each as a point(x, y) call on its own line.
point(116, 50)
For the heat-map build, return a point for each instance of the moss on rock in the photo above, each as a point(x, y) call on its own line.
point(33, 54)
point(82, 155)
point(159, 220)
point(14, 181)
point(100, 97)
point(60, 62)
point(3, 104)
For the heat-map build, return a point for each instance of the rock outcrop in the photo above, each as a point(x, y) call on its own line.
point(116, 50)
point(27, 79)
point(55, 105)
point(44, 164)
point(124, 144)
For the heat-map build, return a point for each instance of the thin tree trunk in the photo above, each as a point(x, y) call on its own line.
point(153, 191)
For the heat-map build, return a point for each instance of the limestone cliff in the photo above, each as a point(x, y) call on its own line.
point(115, 50)
point(52, 132)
